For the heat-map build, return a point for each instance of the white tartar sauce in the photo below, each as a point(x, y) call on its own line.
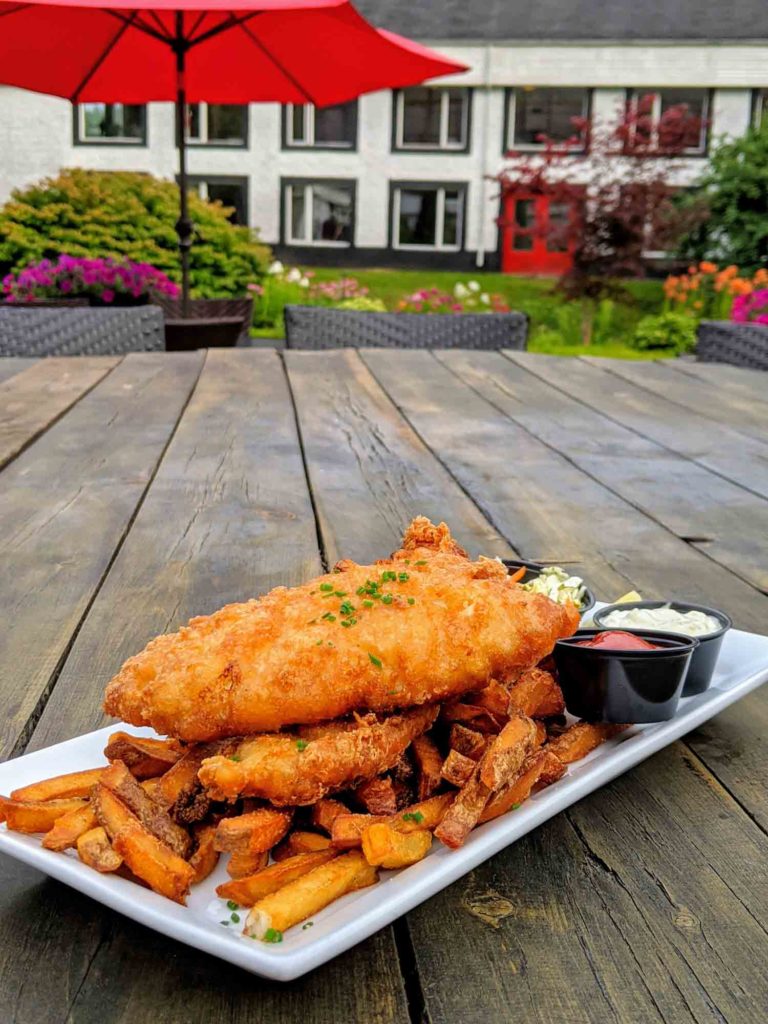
point(666, 619)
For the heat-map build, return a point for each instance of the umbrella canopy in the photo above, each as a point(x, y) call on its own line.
point(191, 51)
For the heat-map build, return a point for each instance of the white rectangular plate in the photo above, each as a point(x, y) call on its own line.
point(742, 667)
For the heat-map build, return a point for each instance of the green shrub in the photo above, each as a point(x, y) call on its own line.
point(675, 331)
point(127, 215)
point(364, 303)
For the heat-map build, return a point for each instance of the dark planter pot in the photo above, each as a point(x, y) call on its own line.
point(119, 300)
point(209, 323)
point(722, 341)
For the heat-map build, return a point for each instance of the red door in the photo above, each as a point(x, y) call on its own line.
point(537, 234)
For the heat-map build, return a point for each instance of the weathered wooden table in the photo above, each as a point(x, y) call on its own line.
point(138, 492)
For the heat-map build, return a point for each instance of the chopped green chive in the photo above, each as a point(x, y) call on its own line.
point(234, 918)
point(224, 922)
point(387, 599)
point(312, 622)
point(515, 806)
point(301, 745)
point(340, 593)
point(307, 925)
point(411, 600)
point(330, 617)
point(422, 562)
point(326, 586)
point(346, 608)
point(231, 905)
point(273, 935)
point(374, 660)
point(415, 816)
point(403, 577)
point(367, 604)
point(319, 643)
point(388, 575)
point(235, 757)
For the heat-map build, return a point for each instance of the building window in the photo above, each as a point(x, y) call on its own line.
point(308, 127)
point(650, 108)
point(428, 216)
point(319, 212)
point(217, 124)
point(760, 109)
point(116, 123)
point(536, 115)
point(432, 119)
point(230, 192)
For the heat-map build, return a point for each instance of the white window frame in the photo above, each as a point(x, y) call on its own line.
point(443, 144)
point(537, 147)
point(309, 130)
point(111, 140)
point(309, 199)
point(441, 189)
point(701, 150)
point(202, 139)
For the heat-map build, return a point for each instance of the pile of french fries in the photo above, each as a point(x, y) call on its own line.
point(145, 814)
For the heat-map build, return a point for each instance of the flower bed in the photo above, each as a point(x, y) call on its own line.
point(100, 280)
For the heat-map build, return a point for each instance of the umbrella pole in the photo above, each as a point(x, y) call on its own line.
point(183, 224)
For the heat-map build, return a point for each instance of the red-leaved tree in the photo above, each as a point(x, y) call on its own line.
point(618, 178)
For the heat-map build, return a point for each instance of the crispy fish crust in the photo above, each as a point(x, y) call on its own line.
point(444, 625)
point(300, 768)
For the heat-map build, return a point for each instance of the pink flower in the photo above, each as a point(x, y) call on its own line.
point(108, 295)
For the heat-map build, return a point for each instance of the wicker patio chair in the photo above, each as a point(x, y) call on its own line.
point(80, 331)
point(210, 323)
point(316, 327)
point(720, 341)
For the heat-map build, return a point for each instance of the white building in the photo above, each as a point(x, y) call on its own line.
point(403, 178)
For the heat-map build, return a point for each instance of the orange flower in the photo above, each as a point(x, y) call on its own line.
point(761, 276)
point(698, 305)
point(707, 268)
point(740, 286)
point(691, 270)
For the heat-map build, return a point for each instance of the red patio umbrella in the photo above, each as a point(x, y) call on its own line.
point(285, 51)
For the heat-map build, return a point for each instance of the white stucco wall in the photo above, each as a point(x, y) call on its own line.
point(36, 137)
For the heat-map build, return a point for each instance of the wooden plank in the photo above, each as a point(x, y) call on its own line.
point(545, 505)
point(735, 456)
point(644, 902)
point(65, 504)
point(716, 516)
point(370, 472)
point(744, 414)
point(11, 365)
point(228, 516)
point(31, 401)
point(749, 385)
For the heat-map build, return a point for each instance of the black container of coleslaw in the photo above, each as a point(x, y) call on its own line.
point(534, 569)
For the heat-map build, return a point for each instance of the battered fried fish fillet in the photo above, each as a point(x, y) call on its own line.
point(290, 769)
point(425, 625)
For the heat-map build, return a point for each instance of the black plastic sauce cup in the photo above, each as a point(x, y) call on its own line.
point(604, 685)
point(706, 654)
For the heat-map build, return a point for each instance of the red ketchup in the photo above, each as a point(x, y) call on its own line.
point(617, 640)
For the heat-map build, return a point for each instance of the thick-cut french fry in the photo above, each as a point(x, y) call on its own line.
point(300, 842)
point(424, 816)
point(541, 734)
point(377, 796)
point(507, 751)
point(494, 698)
point(150, 787)
point(254, 832)
point(243, 863)
point(180, 787)
point(581, 738)
point(206, 856)
point(24, 816)
point(69, 827)
point(153, 861)
point(385, 847)
point(154, 818)
point(476, 717)
point(541, 767)
point(466, 741)
point(464, 813)
point(309, 894)
point(247, 891)
point(143, 757)
point(60, 787)
point(111, 811)
point(325, 812)
point(536, 694)
point(429, 763)
point(95, 850)
point(347, 831)
point(457, 768)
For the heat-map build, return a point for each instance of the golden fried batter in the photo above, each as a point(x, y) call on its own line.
point(300, 768)
point(425, 625)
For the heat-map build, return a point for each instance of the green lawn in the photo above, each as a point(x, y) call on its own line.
point(554, 322)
